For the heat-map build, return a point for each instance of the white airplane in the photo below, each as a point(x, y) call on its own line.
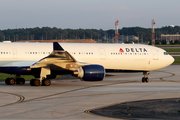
point(87, 61)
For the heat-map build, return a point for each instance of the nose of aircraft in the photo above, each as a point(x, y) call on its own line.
point(170, 59)
point(164, 61)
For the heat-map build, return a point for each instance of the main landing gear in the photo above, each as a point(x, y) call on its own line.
point(33, 82)
point(145, 78)
point(37, 82)
point(43, 80)
point(12, 81)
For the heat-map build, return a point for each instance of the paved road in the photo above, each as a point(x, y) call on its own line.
point(175, 55)
point(68, 98)
point(165, 109)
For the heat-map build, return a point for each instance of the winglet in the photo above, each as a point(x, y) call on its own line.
point(56, 46)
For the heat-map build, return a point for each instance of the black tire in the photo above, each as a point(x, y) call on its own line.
point(143, 79)
point(37, 82)
point(46, 82)
point(32, 82)
point(7, 81)
point(147, 79)
point(20, 81)
point(11, 81)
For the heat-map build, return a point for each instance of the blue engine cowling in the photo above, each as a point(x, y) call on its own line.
point(93, 73)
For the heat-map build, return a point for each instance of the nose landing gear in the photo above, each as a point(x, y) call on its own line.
point(145, 78)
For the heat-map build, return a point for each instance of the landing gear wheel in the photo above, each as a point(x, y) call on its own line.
point(46, 82)
point(32, 82)
point(10, 81)
point(7, 81)
point(147, 79)
point(35, 82)
point(20, 81)
point(143, 79)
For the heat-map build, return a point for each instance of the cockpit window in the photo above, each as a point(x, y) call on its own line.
point(165, 53)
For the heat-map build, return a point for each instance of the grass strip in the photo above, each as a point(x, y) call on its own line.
point(177, 61)
point(3, 76)
point(172, 49)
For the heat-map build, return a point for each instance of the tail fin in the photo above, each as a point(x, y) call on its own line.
point(56, 46)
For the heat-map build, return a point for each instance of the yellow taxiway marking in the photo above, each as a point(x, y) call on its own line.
point(21, 98)
point(89, 111)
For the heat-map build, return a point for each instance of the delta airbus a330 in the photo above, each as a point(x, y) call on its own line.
point(87, 61)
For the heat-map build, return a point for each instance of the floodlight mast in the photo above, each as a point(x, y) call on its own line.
point(116, 31)
point(153, 32)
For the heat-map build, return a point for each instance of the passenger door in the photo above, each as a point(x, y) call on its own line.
point(102, 53)
point(14, 51)
point(155, 54)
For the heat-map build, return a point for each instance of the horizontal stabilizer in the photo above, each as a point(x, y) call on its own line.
point(56, 46)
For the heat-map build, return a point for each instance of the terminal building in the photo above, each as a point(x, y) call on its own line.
point(169, 37)
point(130, 38)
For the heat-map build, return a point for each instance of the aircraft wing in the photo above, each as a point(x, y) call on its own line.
point(58, 59)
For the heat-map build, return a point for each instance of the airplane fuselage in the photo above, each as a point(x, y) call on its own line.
point(118, 57)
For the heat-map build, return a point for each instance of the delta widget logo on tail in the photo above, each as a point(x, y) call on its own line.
point(133, 50)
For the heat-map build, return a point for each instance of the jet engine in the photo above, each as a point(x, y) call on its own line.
point(90, 73)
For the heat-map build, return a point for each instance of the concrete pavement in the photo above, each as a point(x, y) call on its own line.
point(68, 98)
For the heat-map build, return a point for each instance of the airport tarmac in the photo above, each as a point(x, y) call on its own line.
point(69, 98)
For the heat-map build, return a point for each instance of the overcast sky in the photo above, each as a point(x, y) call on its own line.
point(87, 14)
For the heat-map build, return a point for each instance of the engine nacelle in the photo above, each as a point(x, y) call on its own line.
point(91, 73)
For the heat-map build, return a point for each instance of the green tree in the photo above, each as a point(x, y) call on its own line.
point(163, 42)
point(157, 42)
point(177, 42)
